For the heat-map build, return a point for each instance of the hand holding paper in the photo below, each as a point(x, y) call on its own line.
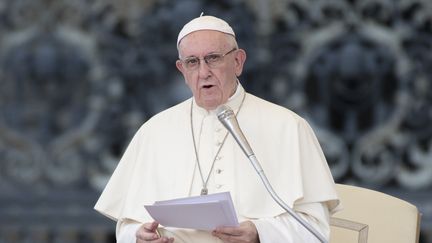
point(200, 212)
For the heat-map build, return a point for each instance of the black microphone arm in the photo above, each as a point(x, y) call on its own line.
point(227, 117)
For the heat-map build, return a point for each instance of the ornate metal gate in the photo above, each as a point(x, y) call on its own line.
point(77, 78)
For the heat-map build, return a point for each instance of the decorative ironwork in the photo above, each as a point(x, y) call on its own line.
point(353, 69)
point(78, 78)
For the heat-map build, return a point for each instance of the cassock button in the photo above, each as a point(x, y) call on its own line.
point(218, 186)
point(218, 171)
point(218, 143)
point(218, 157)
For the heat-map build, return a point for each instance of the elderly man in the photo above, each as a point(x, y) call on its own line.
point(185, 151)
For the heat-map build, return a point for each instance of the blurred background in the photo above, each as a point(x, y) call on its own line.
point(77, 79)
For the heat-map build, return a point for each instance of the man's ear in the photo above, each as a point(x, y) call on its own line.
point(240, 58)
point(179, 66)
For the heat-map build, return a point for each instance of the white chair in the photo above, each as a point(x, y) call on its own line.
point(370, 216)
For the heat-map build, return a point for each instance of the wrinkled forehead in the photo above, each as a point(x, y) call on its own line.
point(205, 41)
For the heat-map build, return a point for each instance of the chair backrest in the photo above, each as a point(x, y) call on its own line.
point(369, 216)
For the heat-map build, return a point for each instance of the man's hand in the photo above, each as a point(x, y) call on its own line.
point(147, 233)
point(245, 233)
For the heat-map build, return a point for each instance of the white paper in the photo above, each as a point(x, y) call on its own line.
point(200, 212)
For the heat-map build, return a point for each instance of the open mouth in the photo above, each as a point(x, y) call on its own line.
point(207, 86)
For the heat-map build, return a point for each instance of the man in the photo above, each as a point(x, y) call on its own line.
point(184, 151)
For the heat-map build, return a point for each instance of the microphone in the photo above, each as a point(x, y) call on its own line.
point(227, 117)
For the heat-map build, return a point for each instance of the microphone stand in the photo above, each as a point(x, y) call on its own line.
point(260, 171)
point(227, 117)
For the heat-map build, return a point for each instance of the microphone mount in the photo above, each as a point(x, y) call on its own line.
point(227, 117)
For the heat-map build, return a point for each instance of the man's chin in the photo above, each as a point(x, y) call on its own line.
point(211, 104)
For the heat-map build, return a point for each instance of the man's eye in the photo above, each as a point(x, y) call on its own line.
point(213, 58)
point(191, 61)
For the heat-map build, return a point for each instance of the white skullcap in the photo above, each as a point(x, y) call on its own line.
point(205, 23)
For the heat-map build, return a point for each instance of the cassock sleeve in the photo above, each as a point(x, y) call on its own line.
point(126, 231)
point(284, 228)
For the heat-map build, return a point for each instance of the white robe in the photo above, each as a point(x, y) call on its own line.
point(160, 164)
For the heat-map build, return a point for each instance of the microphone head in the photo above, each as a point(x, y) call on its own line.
point(223, 112)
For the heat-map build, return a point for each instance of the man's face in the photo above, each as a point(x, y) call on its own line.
point(211, 86)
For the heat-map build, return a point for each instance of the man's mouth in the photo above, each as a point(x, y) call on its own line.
point(207, 86)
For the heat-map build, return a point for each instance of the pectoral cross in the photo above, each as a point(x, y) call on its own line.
point(204, 191)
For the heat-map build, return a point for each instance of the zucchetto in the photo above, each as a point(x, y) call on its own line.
point(205, 23)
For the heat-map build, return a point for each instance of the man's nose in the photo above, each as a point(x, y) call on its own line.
point(203, 69)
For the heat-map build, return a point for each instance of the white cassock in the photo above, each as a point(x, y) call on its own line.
point(160, 164)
